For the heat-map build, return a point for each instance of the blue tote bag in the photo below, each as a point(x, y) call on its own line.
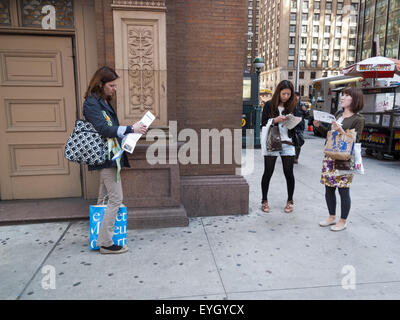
point(96, 217)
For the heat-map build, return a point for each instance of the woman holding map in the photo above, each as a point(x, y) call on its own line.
point(351, 103)
point(279, 112)
point(98, 110)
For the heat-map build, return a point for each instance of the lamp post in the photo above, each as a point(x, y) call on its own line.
point(258, 64)
point(298, 45)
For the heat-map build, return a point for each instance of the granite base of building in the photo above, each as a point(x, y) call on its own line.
point(215, 195)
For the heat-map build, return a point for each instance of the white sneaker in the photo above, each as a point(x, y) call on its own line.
point(336, 228)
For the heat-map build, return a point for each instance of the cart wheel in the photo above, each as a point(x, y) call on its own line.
point(380, 155)
point(368, 152)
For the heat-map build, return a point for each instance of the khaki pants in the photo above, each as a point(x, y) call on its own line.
point(110, 188)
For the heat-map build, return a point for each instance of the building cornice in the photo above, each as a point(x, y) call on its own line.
point(152, 5)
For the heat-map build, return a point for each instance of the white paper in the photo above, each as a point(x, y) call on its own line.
point(129, 142)
point(323, 116)
point(291, 121)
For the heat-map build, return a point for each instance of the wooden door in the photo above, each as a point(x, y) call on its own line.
point(37, 114)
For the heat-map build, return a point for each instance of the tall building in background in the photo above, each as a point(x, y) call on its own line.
point(253, 21)
point(323, 33)
point(380, 23)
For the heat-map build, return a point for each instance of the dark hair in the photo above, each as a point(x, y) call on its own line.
point(100, 77)
point(288, 105)
point(357, 98)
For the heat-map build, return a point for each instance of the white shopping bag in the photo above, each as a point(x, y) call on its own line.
point(358, 165)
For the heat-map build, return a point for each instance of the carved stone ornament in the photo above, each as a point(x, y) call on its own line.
point(141, 68)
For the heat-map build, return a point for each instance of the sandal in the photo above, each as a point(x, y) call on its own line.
point(265, 206)
point(289, 206)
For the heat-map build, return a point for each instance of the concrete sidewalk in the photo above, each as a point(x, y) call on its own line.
point(256, 256)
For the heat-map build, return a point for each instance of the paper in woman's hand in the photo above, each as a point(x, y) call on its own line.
point(129, 142)
point(323, 116)
point(291, 121)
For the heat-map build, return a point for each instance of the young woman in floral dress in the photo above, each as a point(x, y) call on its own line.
point(351, 103)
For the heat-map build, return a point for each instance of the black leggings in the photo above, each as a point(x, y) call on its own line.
point(269, 166)
point(345, 201)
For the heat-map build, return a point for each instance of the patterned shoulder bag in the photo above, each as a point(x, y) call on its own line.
point(85, 145)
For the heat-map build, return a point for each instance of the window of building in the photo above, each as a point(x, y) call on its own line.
point(291, 52)
point(326, 41)
point(336, 64)
point(317, 5)
point(302, 63)
point(293, 17)
point(327, 29)
point(292, 40)
point(290, 63)
point(313, 75)
point(28, 13)
point(327, 18)
point(328, 6)
point(313, 64)
point(340, 6)
point(315, 29)
point(304, 17)
point(303, 40)
point(336, 53)
point(338, 29)
point(290, 74)
point(314, 52)
point(301, 75)
point(304, 29)
point(337, 41)
point(316, 16)
point(292, 28)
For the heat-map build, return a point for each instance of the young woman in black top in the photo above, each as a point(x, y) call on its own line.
point(275, 113)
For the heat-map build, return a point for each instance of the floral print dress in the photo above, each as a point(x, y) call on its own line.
point(330, 176)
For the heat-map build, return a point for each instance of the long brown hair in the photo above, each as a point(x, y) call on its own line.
point(276, 99)
point(99, 79)
point(357, 98)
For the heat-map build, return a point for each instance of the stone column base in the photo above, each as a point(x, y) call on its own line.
point(215, 195)
point(147, 218)
point(152, 192)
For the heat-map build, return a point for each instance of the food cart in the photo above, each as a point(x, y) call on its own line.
point(381, 134)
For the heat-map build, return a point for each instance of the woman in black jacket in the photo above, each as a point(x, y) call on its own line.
point(275, 113)
point(98, 110)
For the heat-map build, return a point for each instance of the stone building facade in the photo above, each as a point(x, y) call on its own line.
point(180, 59)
